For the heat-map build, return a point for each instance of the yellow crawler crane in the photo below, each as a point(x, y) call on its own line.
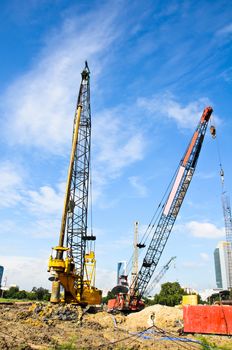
point(74, 263)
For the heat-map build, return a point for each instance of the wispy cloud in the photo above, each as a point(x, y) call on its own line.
point(227, 75)
point(41, 208)
point(204, 230)
point(29, 272)
point(10, 184)
point(39, 105)
point(46, 199)
point(204, 256)
point(114, 146)
point(46, 97)
point(26, 272)
point(226, 30)
point(166, 106)
point(193, 264)
point(136, 183)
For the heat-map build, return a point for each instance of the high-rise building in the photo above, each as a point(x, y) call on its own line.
point(221, 262)
point(1, 274)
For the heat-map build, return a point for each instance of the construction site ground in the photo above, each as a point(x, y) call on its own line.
point(26, 326)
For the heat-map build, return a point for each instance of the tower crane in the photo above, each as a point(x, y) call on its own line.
point(227, 217)
point(76, 270)
point(160, 275)
point(228, 229)
point(166, 220)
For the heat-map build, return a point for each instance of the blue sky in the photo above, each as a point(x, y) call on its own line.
point(154, 66)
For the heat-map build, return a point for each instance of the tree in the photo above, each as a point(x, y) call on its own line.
point(110, 295)
point(22, 294)
point(171, 294)
point(12, 292)
point(36, 294)
point(41, 293)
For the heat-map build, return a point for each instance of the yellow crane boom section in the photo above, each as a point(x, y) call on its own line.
point(63, 270)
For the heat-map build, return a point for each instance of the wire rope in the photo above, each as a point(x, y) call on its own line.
point(153, 220)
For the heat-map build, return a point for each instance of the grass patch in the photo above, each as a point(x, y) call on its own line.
point(206, 345)
point(71, 344)
point(5, 300)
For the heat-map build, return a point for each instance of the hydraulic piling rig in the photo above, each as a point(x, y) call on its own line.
point(76, 271)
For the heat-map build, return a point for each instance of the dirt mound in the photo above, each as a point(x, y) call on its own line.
point(36, 326)
point(105, 320)
point(52, 327)
point(165, 317)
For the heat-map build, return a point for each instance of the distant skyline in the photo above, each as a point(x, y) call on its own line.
point(154, 67)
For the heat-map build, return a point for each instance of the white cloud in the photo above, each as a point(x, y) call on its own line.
point(166, 106)
point(204, 256)
point(46, 200)
point(13, 191)
point(204, 230)
point(29, 272)
point(138, 186)
point(26, 272)
point(226, 30)
point(42, 114)
point(227, 75)
point(46, 97)
point(105, 279)
point(114, 146)
point(45, 205)
point(45, 227)
point(10, 185)
point(193, 264)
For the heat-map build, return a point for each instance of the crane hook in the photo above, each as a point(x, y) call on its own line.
point(222, 176)
point(213, 131)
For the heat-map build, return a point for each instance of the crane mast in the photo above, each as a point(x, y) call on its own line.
point(76, 272)
point(228, 228)
point(134, 272)
point(77, 213)
point(171, 207)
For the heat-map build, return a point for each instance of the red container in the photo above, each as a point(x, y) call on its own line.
point(210, 319)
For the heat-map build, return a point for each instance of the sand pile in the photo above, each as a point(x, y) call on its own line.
point(169, 318)
point(104, 319)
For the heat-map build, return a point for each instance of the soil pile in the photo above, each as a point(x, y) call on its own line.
point(169, 318)
point(55, 327)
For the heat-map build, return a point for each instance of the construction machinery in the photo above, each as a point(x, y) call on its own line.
point(132, 301)
point(160, 275)
point(73, 266)
point(228, 229)
point(227, 220)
